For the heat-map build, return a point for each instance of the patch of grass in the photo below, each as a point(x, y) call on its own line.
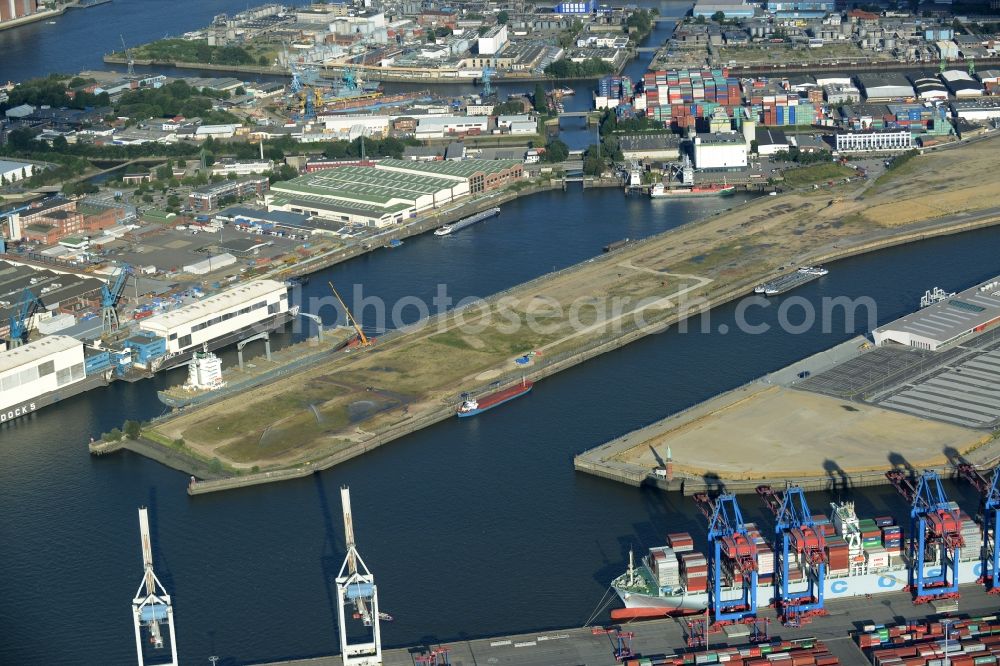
point(892, 176)
point(817, 173)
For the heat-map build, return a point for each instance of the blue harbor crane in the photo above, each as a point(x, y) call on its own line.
point(488, 73)
point(797, 534)
point(109, 299)
point(989, 493)
point(729, 545)
point(935, 536)
point(22, 317)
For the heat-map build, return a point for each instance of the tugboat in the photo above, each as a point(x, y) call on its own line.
point(471, 407)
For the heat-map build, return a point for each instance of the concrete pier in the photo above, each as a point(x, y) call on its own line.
point(579, 646)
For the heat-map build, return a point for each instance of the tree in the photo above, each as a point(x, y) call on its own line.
point(60, 144)
point(555, 151)
point(719, 16)
point(132, 429)
point(541, 104)
point(164, 172)
point(483, 30)
point(503, 17)
point(239, 92)
point(593, 163)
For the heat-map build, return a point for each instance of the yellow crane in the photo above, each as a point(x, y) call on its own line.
point(362, 340)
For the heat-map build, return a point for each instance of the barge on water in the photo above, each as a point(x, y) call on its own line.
point(467, 222)
point(790, 281)
point(473, 406)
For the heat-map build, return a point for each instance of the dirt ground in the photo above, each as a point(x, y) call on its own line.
point(776, 431)
point(424, 370)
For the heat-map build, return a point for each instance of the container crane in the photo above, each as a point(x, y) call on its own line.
point(151, 606)
point(729, 541)
point(934, 526)
point(797, 533)
point(361, 340)
point(989, 492)
point(356, 586)
point(109, 299)
point(21, 318)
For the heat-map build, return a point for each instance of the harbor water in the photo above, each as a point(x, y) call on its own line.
point(473, 526)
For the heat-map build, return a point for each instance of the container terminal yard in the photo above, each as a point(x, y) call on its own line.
point(926, 388)
point(821, 590)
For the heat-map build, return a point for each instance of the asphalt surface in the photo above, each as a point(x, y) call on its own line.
point(581, 647)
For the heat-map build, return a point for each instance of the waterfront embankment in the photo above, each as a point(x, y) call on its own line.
point(423, 77)
point(415, 376)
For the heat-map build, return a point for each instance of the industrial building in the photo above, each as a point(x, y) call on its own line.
point(58, 293)
point(390, 192)
point(11, 172)
point(650, 147)
point(961, 84)
point(12, 9)
point(720, 152)
point(884, 87)
point(874, 141)
point(30, 373)
point(929, 87)
point(770, 141)
point(976, 110)
point(220, 317)
point(214, 195)
point(946, 321)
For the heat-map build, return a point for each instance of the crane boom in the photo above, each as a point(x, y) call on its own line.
point(361, 334)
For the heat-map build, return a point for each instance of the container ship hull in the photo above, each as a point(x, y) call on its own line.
point(474, 407)
point(864, 557)
point(684, 603)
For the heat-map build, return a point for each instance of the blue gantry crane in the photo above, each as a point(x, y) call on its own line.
point(731, 548)
point(935, 536)
point(797, 534)
point(989, 493)
point(109, 299)
point(22, 317)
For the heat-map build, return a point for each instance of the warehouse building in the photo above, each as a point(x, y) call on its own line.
point(11, 172)
point(961, 84)
point(976, 110)
point(392, 191)
point(874, 141)
point(214, 195)
point(29, 372)
point(720, 152)
point(928, 87)
point(885, 87)
point(650, 146)
point(251, 304)
point(947, 321)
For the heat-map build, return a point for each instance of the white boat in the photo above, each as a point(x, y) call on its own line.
point(658, 191)
point(444, 231)
point(564, 91)
point(813, 270)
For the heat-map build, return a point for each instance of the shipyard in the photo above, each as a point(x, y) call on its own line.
point(638, 334)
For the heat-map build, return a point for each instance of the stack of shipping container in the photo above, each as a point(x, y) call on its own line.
point(922, 642)
point(774, 106)
point(680, 97)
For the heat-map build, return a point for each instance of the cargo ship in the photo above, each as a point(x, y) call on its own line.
point(474, 406)
point(659, 190)
point(865, 558)
point(468, 221)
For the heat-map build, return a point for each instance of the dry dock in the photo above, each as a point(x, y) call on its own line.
point(581, 647)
